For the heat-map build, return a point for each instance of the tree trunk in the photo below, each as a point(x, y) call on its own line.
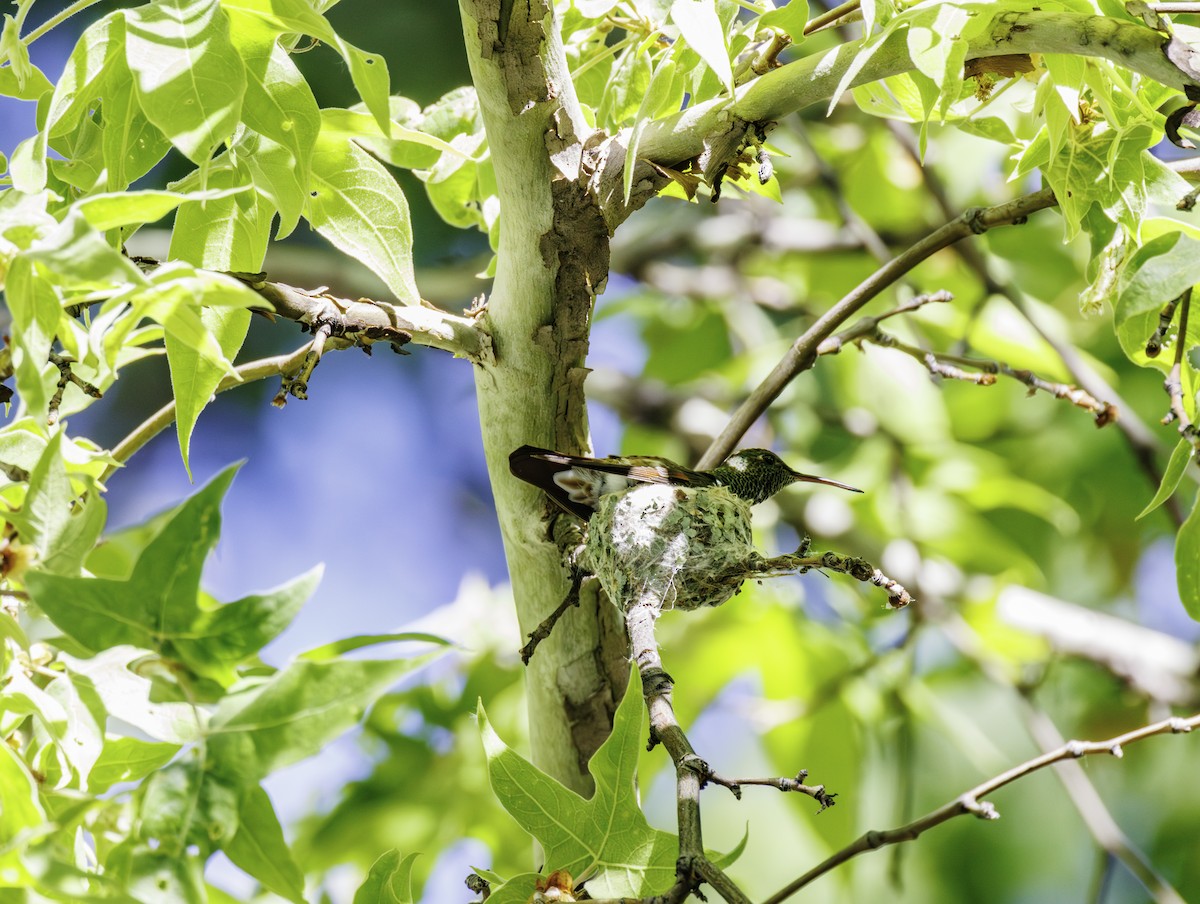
point(552, 259)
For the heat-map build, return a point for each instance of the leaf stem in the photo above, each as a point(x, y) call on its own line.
point(58, 19)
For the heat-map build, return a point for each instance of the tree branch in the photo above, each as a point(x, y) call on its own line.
point(803, 353)
point(1141, 440)
point(250, 372)
point(984, 371)
point(364, 321)
point(1080, 790)
point(972, 801)
point(815, 78)
point(693, 865)
point(1094, 813)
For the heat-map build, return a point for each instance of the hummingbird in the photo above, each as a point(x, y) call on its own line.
point(576, 483)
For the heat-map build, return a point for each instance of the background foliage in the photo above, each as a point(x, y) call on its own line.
point(141, 720)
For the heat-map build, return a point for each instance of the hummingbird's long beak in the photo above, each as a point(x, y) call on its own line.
point(812, 478)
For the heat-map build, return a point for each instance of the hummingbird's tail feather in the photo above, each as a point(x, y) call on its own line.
point(542, 467)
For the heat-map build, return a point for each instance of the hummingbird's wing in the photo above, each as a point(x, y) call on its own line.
point(576, 483)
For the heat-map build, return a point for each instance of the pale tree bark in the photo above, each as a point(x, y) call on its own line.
point(553, 257)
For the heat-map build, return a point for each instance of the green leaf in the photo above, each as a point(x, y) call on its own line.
point(13, 49)
point(131, 144)
point(626, 88)
point(77, 731)
point(123, 208)
point(61, 526)
point(276, 177)
point(190, 79)
point(155, 875)
point(72, 99)
point(367, 70)
point(228, 635)
point(328, 651)
point(22, 444)
point(128, 760)
point(658, 95)
point(937, 49)
point(791, 17)
point(119, 678)
point(1172, 474)
point(99, 45)
point(180, 299)
point(33, 86)
point(279, 106)
point(1158, 272)
point(47, 509)
point(406, 148)
point(260, 850)
point(1187, 562)
point(159, 600)
point(357, 205)
point(35, 309)
point(194, 377)
point(296, 712)
point(389, 881)
point(186, 804)
point(701, 28)
point(75, 256)
point(228, 233)
point(610, 840)
point(22, 815)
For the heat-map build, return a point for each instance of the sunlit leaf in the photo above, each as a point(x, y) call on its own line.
point(701, 28)
point(260, 850)
point(357, 205)
point(389, 881)
point(611, 840)
point(1187, 562)
point(296, 712)
point(190, 78)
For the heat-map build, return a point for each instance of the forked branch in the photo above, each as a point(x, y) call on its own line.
point(973, 801)
point(803, 352)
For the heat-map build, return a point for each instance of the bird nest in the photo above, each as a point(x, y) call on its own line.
point(682, 547)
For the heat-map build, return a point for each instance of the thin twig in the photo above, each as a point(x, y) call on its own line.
point(250, 372)
point(797, 785)
point(362, 321)
point(972, 801)
point(296, 384)
point(803, 352)
point(854, 566)
point(1079, 788)
point(941, 364)
point(868, 325)
point(831, 17)
point(1141, 439)
point(66, 376)
point(1092, 810)
point(542, 631)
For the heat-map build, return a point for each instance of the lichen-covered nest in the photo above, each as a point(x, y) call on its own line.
point(684, 547)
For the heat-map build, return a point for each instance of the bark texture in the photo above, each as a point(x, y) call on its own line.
point(553, 259)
